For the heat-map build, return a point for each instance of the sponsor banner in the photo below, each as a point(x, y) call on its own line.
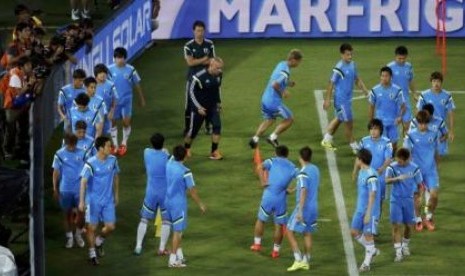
point(130, 28)
point(310, 18)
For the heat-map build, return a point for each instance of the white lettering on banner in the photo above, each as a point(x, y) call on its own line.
point(229, 8)
point(454, 15)
point(318, 11)
point(413, 24)
point(345, 10)
point(280, 17)
point(408, 17)
point(388, 11)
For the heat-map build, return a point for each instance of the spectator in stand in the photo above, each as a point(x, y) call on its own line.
point(55, 53)
point(79, 9)
point(20, 47)
point(20, 88)
point(24, 15)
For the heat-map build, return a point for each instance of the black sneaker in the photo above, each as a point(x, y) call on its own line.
point(274, 142)
point(94, 261)
point(252, 144)
point(100, 251)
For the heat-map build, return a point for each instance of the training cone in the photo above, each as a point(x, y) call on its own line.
point(158, 224)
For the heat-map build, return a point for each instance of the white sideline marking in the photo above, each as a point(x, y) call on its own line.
point(337, 190)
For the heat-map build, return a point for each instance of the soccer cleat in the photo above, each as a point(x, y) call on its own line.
point(177, 264)
point(274, 254)
point(419, 226)
point(114, 151)
point(163, 252)
point(298, 265)
point(364, 268)
point(122, 149)
point(75, 15)
point(137, 251)
point(398, 258)
point(256, 247)
point(79, 241)
point(100, 250)
point(94, 261)
point(429, 224)
point(69, 242)
point(216, 155)
point(327, 145)
point(274, 142)
point(406, 251)
point(253, 144)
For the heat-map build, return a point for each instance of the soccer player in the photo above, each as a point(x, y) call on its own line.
point(423, 144)
point(126, 79)
point(155, 160)
point(365, 219)
point(443, 106)
point(99, 196)
point(67, 94)
point(435, 124)
point(82, 112)
point(96, 103)
point(107, 91)
point(402, 76)
point(84, 142)
point(281, 172)
point(205, 104)
point(305, 214)
point(342, 82)
point(381, 153)
point(67, 164)
point(272, 100)
point(387, 103)
point(179, 179)
point(197, 53)
point(405, 177)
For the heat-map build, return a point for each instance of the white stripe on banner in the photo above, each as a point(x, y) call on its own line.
point(337, 190)
point(166, 18)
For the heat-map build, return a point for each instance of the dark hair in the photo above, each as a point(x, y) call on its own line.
point(100, 68)
point(345, 47)
point(80, 125)
point(79, 74)
point(38, 31)
point(70, 139)
point(385, 69)
point(89, 80)
point(376, 123)
point(21, 8)
point(23, 25)
point(428, 107)
point(403, 154)
point(120, 52)
point(281, 151)
point(157, 140)
point(422, 117)
point(101, 141)
point(179, 152)
point(198, 23)
point(436, 76)
point(82, 99)
point(365, 156)
point(306, 153)
point(401, 51)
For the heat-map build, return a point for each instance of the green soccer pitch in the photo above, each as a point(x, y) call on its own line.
point(218, 241)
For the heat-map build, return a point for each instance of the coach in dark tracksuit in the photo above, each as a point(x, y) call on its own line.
point(205, 104)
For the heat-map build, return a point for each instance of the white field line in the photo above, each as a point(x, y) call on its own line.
point(337, 190)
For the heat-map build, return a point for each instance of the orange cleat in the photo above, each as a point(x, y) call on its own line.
point(122, 149)
point(275, 254)
point(114, 151)
point(256, 247)
point(419, 226)
point(429, 224)
point(216, 155)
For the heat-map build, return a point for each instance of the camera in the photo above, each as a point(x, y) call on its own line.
point(41, 72)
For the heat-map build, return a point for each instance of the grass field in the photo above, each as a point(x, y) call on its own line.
point(218, 241)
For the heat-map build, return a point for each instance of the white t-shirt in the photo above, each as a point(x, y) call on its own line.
point(15, 82)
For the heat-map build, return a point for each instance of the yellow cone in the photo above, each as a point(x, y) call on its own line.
point(158, 224)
